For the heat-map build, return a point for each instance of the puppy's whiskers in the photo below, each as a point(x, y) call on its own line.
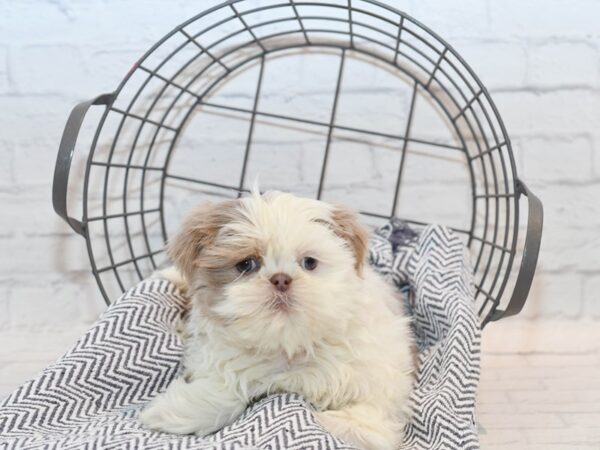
point(238, 277)
point(281, 302)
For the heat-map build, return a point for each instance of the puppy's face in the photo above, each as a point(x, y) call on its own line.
point(274, 271)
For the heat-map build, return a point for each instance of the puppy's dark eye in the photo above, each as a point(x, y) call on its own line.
point(309, 263)
point(247, 265)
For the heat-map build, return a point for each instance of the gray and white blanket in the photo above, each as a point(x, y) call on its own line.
point(92, 396)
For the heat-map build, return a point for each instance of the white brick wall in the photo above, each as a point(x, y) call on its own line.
point(540, 59)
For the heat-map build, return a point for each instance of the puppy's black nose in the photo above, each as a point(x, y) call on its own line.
point(281, 281)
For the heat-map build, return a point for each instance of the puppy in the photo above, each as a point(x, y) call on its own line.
point(282, 301)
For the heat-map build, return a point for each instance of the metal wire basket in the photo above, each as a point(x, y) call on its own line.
point(346, 100)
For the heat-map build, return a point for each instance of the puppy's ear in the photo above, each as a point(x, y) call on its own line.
point(347, 225)
point(199, 229)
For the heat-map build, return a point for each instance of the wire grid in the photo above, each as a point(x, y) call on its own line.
point(129, 168)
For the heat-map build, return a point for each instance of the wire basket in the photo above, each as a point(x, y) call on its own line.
point(348, 101)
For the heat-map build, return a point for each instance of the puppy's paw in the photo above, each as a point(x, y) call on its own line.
point(162, 415)
point(200, 407)
point(153, 417)
point(362, 426)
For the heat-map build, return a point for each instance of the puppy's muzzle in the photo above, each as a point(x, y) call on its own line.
point(281, 281)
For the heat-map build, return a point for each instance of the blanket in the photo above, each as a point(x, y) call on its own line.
point(92, 396)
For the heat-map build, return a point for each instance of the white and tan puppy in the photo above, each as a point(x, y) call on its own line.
point(282, 301)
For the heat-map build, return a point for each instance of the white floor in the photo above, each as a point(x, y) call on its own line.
point(540, 386)
point(540, 383)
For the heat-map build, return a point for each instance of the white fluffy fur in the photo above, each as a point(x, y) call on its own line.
point(343, 344)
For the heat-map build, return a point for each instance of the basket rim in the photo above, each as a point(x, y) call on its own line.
point(447, 48)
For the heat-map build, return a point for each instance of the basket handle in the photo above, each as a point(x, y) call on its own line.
point(65, 156)
point(535, 223)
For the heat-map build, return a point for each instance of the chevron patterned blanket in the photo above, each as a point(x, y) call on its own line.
point(91, 397)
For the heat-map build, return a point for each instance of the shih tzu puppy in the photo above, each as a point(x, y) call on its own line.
point(282, 301)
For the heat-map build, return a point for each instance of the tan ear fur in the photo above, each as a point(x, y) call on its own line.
point(199, 229)
point(347, 225)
